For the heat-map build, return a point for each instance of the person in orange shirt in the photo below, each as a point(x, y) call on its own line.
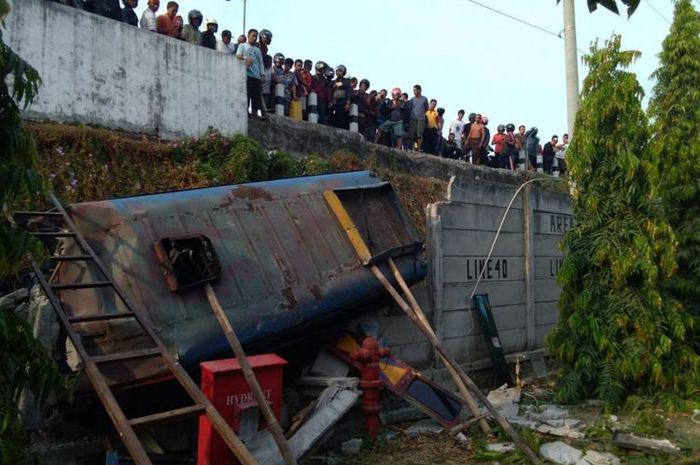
point(168, 23)
point(431, 128)
point(499, 144)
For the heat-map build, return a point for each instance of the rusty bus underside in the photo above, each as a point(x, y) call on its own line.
point(285, 264)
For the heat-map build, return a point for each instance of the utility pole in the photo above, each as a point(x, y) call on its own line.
point(570, 50)
point(244, 14)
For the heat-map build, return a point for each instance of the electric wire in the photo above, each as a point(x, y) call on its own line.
point(514, 18)
point(657, 11)
point(522, 21)
point(500, 226)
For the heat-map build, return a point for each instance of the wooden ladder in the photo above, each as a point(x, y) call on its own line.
point(124, 426)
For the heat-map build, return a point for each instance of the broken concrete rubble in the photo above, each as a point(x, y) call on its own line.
point(598, 458)
point(333, 404)
point(501, 447)
point(630, 441)
point(424, 426)
point(505, 400)
point(560, 453)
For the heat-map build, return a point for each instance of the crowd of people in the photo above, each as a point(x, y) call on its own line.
point(393, 119)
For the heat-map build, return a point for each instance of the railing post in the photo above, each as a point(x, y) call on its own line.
point(312, 108)
point(540, 169)
point(354, 123)
point(279, 99)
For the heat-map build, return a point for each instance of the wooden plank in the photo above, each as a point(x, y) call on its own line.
point(122, 356)
point(170, 415)
point(101, 317)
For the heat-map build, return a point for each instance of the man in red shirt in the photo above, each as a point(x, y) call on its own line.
point(167, 23)
point(499, 144)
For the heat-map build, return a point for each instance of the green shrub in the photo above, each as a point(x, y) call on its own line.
point(247, 160)
point(314, 165)
point(282, 165)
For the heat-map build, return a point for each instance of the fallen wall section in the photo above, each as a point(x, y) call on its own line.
point(520, 276)
point(103, 72)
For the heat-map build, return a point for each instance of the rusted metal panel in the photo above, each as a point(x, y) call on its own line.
point(285, 261)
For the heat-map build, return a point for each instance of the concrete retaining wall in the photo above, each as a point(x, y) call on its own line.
point(520, 276)
point(99, 71)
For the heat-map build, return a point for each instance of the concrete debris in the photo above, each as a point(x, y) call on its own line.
point(505, 400)
point(613, 418)
point(561, 453)
point(388, 435)
point(523, 422)
point(328, 365)
point(424, 426)
point(500, 447)
point(552, 412)
point(630, 441)
point(593, 457)
point(336, 403)
point(346, 382)
point(564, 431)
point(461, 437)
point(13, 299)
point(351, 447)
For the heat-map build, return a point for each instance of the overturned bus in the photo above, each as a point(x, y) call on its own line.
point(279, 260)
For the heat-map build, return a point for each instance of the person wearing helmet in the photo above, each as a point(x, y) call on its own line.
point(360, 98)
point(208, 37)
point(321, 86)
point(520, 143)
point(499, 145)
point(128, 15)
point(511, 148)
point(250, 54)
point(190, 32)
point(264, 41)
point(106, 8)
point(340, 99)
point(396, 112)
point(532, 143)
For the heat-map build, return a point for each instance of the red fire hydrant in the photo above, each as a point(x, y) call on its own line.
point(369, 356)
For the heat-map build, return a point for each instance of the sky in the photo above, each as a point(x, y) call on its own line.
point(462, 54)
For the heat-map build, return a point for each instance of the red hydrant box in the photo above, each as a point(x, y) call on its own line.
point(225, 386)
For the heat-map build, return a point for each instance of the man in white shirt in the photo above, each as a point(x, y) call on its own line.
point(457, 125)
point(148, 18)
point(225, 45)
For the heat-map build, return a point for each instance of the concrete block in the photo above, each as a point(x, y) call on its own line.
point(480, 217)
point(561, 453)
point(462, 242)
point(482, 193)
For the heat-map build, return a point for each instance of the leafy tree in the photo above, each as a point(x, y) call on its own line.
point(619, 334)
point(612, 5)
point(675, 106)
point(23, 362)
